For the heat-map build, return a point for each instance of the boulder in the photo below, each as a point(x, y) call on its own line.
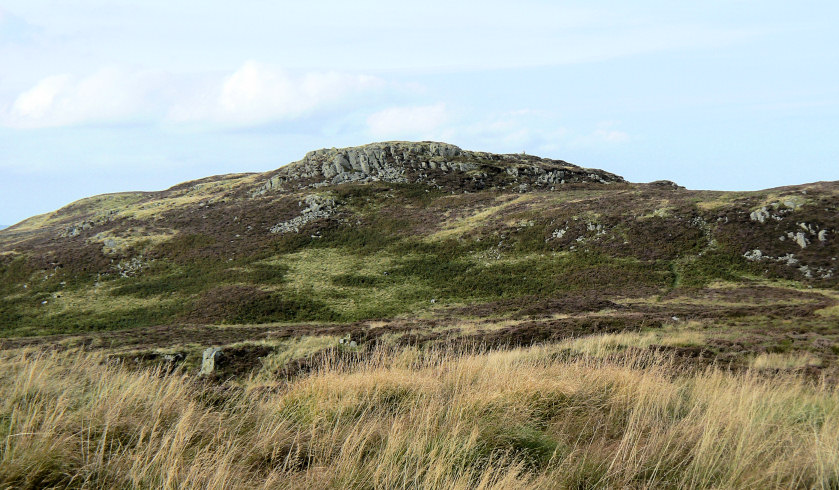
point(210, 360)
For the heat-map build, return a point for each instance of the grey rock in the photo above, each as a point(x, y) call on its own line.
point(317, 207)
point(753, 255)
point(800, 238)
point(666, 184)
point(760, 215)
point(792, 204)
point(130, 267)
point(209, 360)
point(404, 162)
point(173, 358)
point(788, 259)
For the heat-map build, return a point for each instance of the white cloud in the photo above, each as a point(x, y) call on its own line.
point(610, 136)
point(533, 131)
point(414, 122)
point(110, 95)
point(253, 94)
point(257, 93)
point(605, 134)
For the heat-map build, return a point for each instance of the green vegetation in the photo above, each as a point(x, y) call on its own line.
point(450, 333)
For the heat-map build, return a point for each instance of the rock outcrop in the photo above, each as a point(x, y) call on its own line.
point(316, 207)
point(440, 164)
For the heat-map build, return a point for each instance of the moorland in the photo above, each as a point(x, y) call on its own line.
point(403, 315)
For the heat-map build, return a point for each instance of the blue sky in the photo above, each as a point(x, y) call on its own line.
point(112, 95)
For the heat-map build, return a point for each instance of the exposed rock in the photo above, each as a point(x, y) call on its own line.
point(597, 228)
point(760, 215)
point(429, 162)
point(78, 228)
point(130, 267)
point(559, 233)
point(823, 235)
point(173, 358)
point(209, 360)
point(793, 203)
point(317, 207)
point(788, 259)
point(800, 238)
point(753, 255)
point(666, 184)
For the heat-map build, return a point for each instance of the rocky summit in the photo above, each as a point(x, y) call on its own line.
point(437, 164)
point(397, 230)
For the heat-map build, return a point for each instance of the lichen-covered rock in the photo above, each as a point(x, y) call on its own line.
point(753, 255)
point(317, 207)
point(799, 238)
point(439, 164)
point(759, 215)
point(209, 360)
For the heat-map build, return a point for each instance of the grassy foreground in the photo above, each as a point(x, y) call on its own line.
point(540, 417)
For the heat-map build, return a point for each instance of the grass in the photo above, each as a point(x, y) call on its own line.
point(609, 344)
point(777, 360)
point(480, 218)
point(416, 419)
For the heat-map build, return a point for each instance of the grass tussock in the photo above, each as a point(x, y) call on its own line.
point(781, 360)
point(610, 344)
point(411, 418)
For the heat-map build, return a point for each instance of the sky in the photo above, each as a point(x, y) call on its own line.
point(100, 96)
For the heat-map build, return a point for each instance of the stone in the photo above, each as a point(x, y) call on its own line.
point(799, 238)
point(753, 255)
point(788, 259)
point(823, 235)
point(666, 184)
point(209, 360)
point(402, 162)
point(760, 215)
point(317, 207)
point(173, 358)
point(559, 233)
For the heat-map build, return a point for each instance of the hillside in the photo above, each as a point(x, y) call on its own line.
point(400, 228)
point(414, 315)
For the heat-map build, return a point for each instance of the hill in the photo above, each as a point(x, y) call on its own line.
point(414, 315)
point(388, 229)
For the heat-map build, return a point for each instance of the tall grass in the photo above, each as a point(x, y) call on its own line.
point(526, 418)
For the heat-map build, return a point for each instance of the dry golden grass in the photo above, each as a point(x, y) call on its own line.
point(795, 360)
point(416, 419)
point(480, 218)
point(609, 344)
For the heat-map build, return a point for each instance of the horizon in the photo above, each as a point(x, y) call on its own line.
point(174, 184)
point(726, 96)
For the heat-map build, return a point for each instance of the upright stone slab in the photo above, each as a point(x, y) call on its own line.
point(210, 360)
